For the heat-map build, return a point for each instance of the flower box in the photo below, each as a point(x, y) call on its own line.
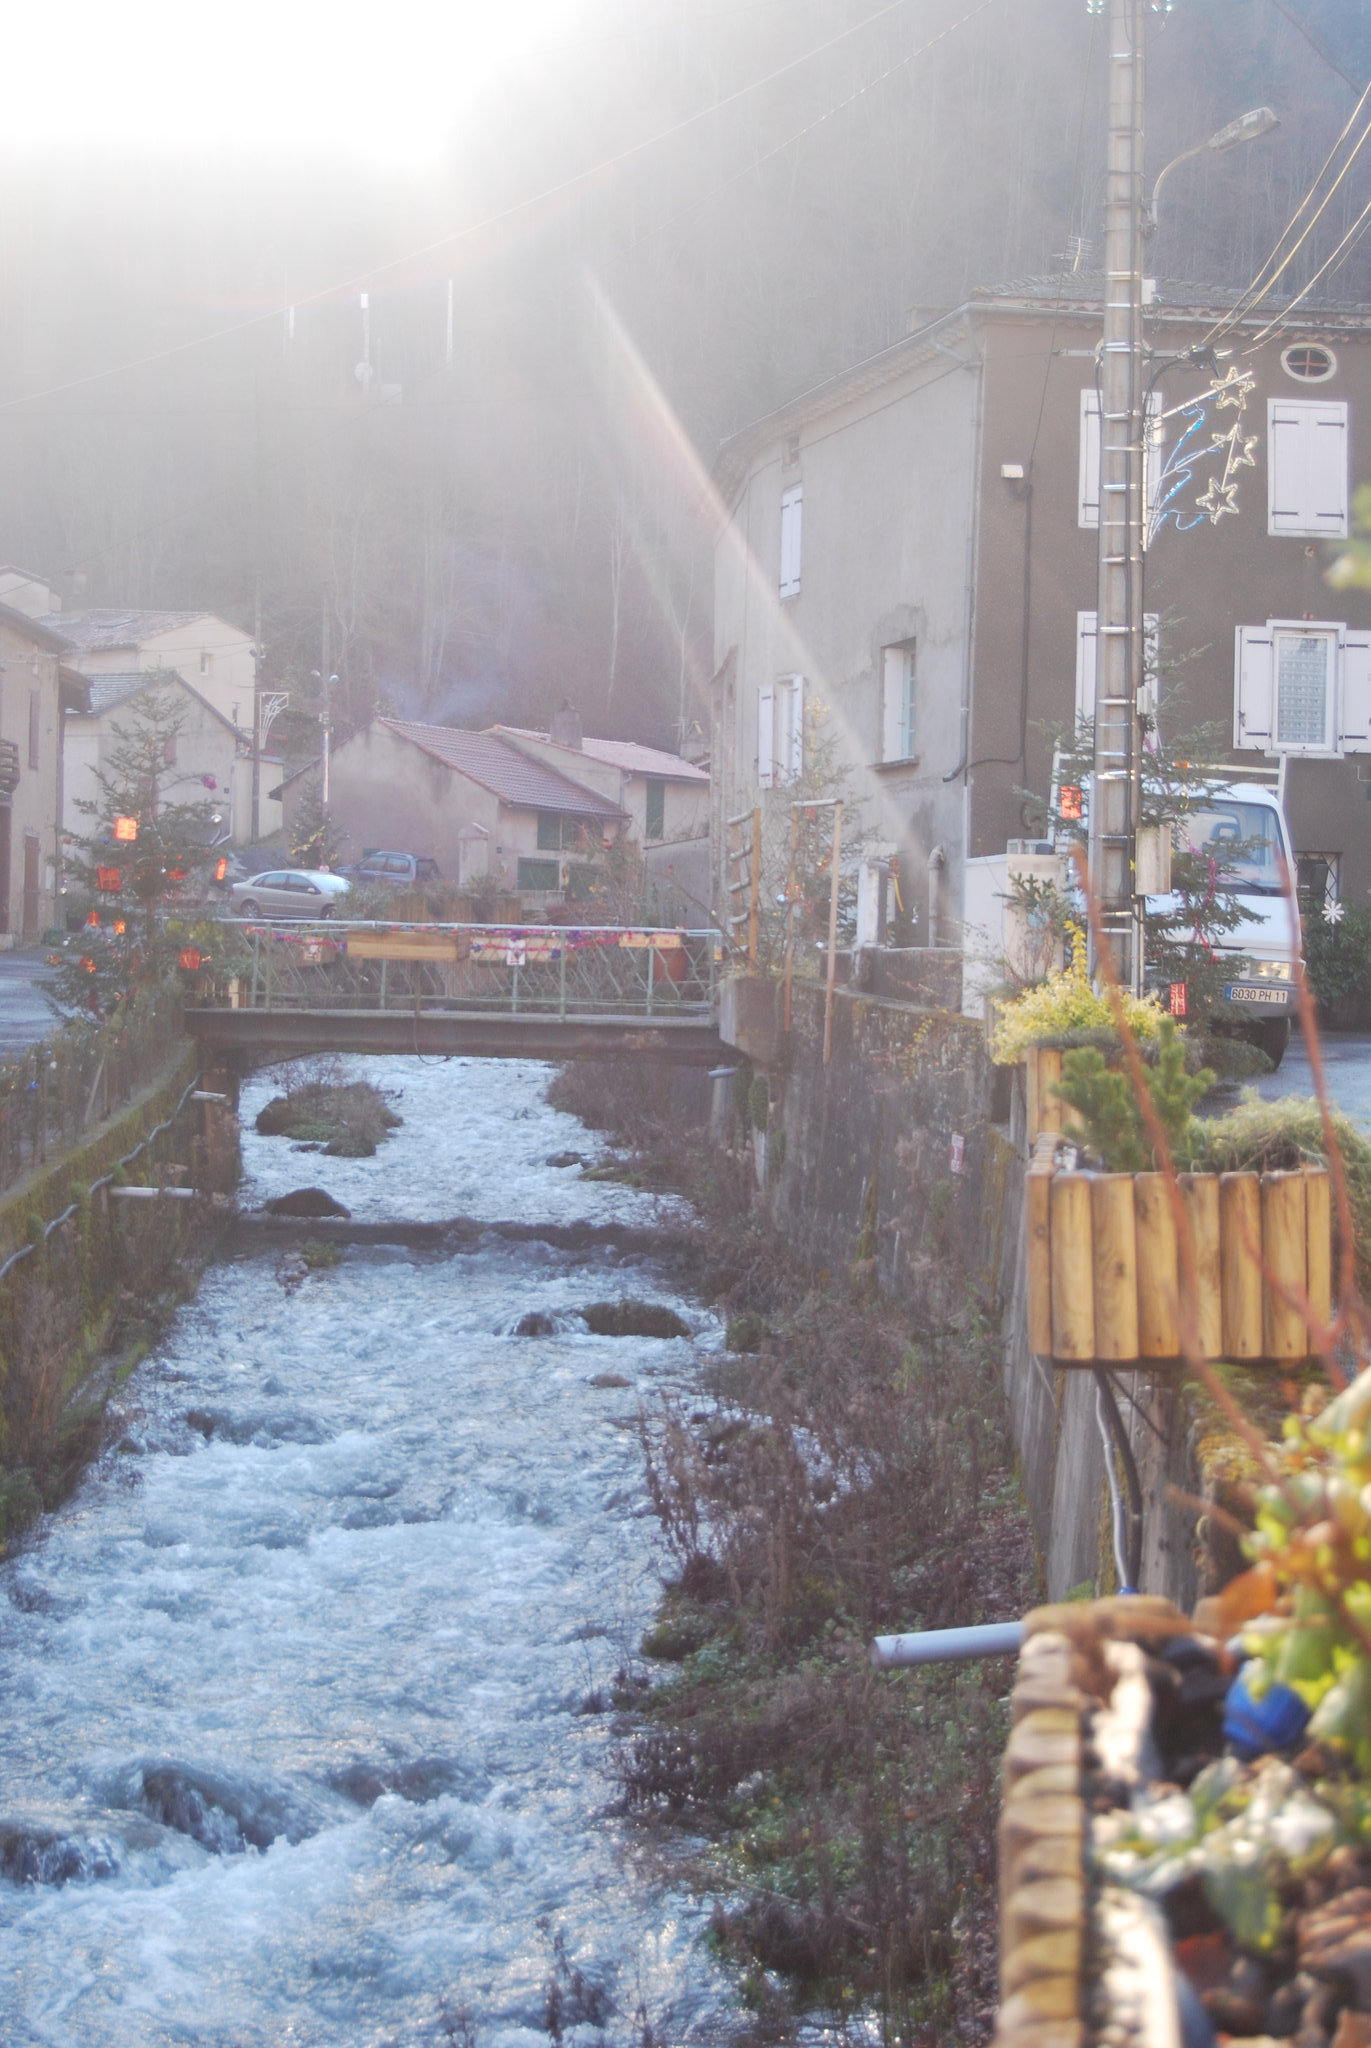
point(1105, 1282)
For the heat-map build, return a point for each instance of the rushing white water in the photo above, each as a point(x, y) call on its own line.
point(291, 1719)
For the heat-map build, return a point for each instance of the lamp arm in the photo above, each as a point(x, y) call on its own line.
point(1149, 219)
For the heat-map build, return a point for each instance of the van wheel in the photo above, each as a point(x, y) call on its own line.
point(1273, 1039)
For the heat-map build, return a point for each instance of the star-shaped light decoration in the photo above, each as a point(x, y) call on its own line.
point(1334, 911)
point(1218, 499)
point(1246, 458)
point(1234, 387)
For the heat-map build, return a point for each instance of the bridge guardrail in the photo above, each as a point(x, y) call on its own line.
point(549, 971)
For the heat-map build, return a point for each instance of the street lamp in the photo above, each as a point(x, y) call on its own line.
point(326, 684)
point(1248, 127)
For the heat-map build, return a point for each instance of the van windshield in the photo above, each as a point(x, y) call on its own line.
point(1243, 841)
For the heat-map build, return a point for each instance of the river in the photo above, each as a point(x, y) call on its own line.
point(293, 1722)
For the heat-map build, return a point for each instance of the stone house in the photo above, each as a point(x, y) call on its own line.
point(36, 688)
point(912, 548)
point(492, 816)
point(210, 757)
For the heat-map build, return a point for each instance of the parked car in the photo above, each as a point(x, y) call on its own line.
point(306, 893)
point(395, 870)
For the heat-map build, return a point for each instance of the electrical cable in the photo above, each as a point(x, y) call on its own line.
point(1282, 319)
point(1261, 284)
point(1127, 1543)
point(838, 107)
point(1302, 28)
point(361, 280)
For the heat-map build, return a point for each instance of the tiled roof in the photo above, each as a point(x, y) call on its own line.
point(626, 755)
point(111, 689)
point(99, 631)
point(502, 769)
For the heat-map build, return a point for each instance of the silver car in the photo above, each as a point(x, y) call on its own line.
point(306, 893)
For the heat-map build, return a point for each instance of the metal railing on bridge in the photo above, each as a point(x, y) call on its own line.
point(545, 971)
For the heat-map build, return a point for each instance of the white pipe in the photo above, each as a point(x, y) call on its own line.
point(947, 1645)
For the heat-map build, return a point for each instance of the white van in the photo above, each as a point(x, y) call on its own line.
point(1260, 997)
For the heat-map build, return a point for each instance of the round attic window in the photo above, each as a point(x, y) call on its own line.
point(1309, 361)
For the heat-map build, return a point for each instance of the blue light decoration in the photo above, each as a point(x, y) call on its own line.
point(1239, 451)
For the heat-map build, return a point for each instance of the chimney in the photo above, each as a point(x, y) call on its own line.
point(565, 728)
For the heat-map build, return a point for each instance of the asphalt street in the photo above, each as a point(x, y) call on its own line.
point(1347, 1066)
point(24, 1016)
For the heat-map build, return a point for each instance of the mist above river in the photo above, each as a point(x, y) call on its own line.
point(294, 1716)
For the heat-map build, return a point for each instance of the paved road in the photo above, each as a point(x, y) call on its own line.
point(24, 1016)
point(1347, 1062)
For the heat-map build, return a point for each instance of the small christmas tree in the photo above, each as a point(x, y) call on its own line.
point(141, 847)
point(316, 841)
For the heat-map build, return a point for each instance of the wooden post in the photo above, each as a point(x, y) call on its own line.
point(1240, 1247)
point(835, 850)
point(1201, 1192)
point(1115, 1266)
point(1319, 1226)
point(1032, 1096)
point(790, 894)
point(1284, 1264)
point(1037, 1229)
point(1073, 1280)
point(754, 891)
point(1158, 1271)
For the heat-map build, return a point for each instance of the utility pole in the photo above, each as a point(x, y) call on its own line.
point(256, 623)
point(1119, 620)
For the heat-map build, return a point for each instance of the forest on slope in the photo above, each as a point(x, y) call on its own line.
point(661, 223)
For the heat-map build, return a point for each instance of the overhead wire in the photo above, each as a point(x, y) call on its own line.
point(797, 135)
point(559, 190)
point(1282, 319)
point(1267, 276)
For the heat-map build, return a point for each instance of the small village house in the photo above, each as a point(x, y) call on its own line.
point(35, 686)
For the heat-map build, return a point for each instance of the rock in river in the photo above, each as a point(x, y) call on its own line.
point(633, 1319)
point(306, 1202)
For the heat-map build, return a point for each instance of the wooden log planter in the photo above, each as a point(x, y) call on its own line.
point(1104, 1270)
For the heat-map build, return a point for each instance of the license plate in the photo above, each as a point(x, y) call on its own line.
point(1277, 998)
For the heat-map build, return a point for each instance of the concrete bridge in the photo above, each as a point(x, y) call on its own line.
point(546, 992)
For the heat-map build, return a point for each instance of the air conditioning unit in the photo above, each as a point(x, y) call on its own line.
point(1014, 846)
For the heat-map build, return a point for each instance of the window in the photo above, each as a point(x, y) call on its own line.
point(206, 662)
point(1302, 687)
point(1086, 642)
point(1306, 466)
point(537, 874)
point(556, 834)
point(1317, 879)
point(1088, 487)
point(35, 726)
point(792, 513)
point(780, 731)
point(655, 825)
point(897, 703)
point(1309, 361)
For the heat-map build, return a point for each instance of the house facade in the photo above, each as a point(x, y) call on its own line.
point(34, 687)
point(907, 568)
point(209, 760)
point(215, 659)
point(492, 817)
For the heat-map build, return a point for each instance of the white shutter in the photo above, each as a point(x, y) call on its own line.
point(766, 736)
point(792, 747)
point(1254, 688)
point(792, 514)
point(1306, 467)
point(1088, 487)
point(1328, 470)
point(894, 739)
point(1354, 700)
point(1087, 642)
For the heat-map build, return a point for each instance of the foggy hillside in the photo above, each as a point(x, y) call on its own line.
point(657, 229)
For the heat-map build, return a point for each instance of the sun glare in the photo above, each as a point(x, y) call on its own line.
point(395, 82)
